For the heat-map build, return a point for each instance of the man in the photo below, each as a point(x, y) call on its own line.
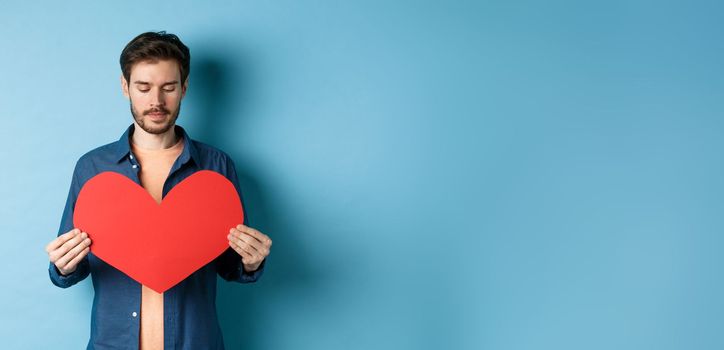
point(157, 154)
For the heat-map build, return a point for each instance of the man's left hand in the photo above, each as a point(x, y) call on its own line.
point(252, 245)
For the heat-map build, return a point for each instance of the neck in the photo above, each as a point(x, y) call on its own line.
point(146, 140)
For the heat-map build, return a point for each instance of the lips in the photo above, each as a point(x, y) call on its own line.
point(157, 115)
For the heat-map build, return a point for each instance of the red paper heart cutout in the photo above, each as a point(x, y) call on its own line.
point(158, 245)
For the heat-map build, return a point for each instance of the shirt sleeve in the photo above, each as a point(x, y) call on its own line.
point(229, 265)
point(66, 224)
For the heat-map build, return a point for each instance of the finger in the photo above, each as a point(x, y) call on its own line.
point(65, 261)
point(73, 263)
point(255, 233)
point(60, 240)
point(68, 248)
point(243, 238)
point(246, 256)
point(59, 252)
point(66, 258)
point(242, 244)
point(69, 245)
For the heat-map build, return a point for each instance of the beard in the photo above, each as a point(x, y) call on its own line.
point(151, 127)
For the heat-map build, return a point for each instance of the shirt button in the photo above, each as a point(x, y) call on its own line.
point(134, 166)
point(134, 314)
point(131, 156)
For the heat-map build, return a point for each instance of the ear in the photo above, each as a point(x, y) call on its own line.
point(124, 86)
point(184, 87)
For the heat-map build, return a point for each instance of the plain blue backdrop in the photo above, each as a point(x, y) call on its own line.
point(434, 174)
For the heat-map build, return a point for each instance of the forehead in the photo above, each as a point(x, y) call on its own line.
point(159, 71)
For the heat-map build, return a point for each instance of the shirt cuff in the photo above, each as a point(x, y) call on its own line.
point(64, 281)
point(248, 277)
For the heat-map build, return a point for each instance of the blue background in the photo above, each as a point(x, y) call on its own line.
point(434, 174)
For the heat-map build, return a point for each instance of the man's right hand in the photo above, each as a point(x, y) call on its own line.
point(68, 250)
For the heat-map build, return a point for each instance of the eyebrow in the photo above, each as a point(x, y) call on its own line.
point(147, 83)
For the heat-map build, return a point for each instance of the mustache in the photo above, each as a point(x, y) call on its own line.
point(157, 110)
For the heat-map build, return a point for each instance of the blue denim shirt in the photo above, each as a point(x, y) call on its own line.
point(190, 320)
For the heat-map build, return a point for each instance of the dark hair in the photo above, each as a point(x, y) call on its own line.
point(154, 46)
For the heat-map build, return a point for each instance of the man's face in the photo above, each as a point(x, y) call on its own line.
point(155, 92)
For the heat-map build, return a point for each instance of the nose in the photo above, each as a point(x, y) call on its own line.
point(157, 99)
